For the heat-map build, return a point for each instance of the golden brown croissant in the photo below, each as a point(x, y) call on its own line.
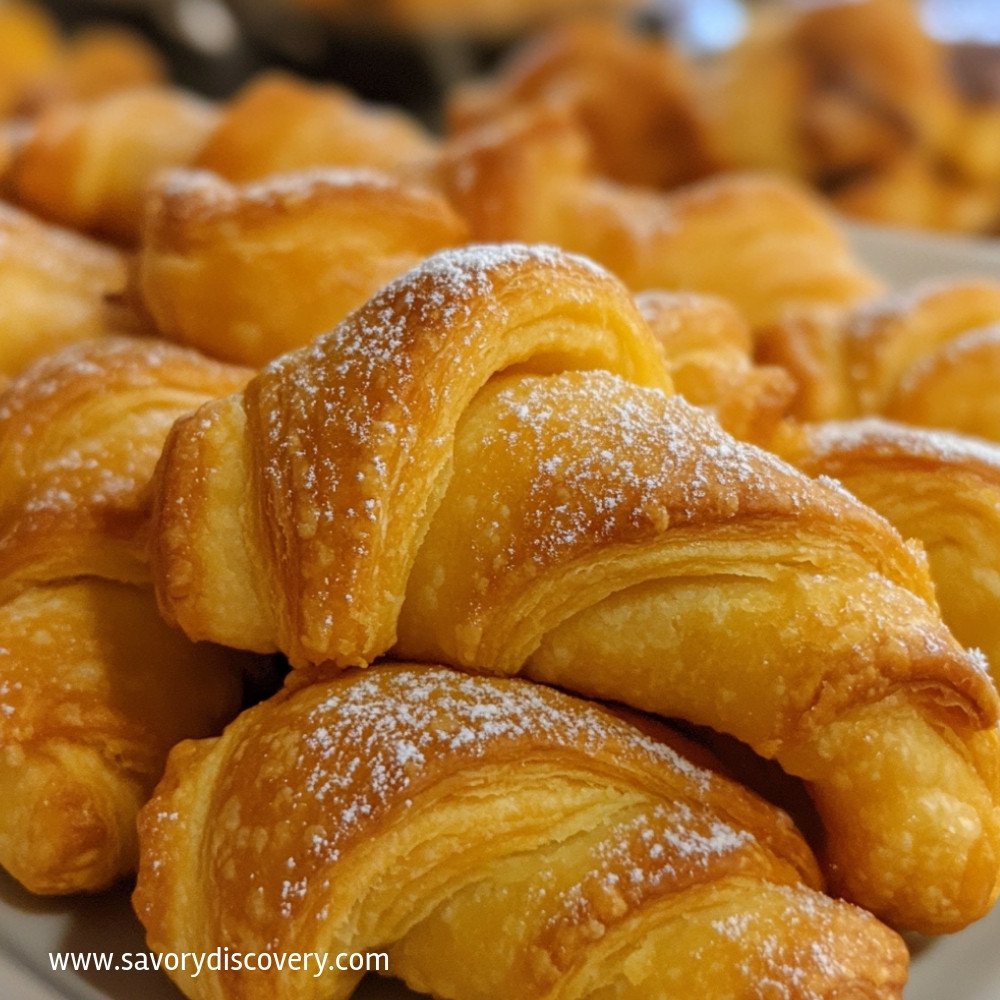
point(95, 687)
point(708, 349)
point(248, 272)
point(595, 534)
point(941, 488)
point(929, 356)
point(424, 346)
point(878, 53)
point(279, 124)
point(56, 287)
point(495, 839)
point(634, 99)
point(527, 179)
point(87, 165)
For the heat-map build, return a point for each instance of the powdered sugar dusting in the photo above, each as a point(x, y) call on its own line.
point(341, 416)
point(110, 458)
point(7, 689)
point(619, 457)
point(372, 741)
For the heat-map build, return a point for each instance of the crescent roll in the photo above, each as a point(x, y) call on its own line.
point(527, 178)
point(94, 687)
point(929, 356)
point(615, 542)
point(941, 488)
point(411, 358)
point(496, 839)
point(594, 533)
point(248, 272)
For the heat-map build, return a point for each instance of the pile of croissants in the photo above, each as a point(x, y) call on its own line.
point(437, 547)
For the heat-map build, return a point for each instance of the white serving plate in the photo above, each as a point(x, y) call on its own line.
point(965, 966)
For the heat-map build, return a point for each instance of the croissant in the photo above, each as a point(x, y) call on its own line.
point(86, 165)
point(248, 272)
point(752, 96)
point(527, 179)
point(94, 687)
point(926, 357)
point(495, 839)
point(591, 533)
point(279, 124)
point(941, 488)
point(56, 287)
point(634, 98)
point(465, 314)
point(879, 53)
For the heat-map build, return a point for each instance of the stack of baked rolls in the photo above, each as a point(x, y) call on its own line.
point(528, 472)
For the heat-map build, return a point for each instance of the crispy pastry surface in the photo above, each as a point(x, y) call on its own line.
point(614, 542)
point(94, 690)
point(94, 687)
point(496, 838)
point(941, 488)
point(249, 272)
point(654, 137)
point(595, 534)
point(352, 471)
point(80, 435)
point(930, 356)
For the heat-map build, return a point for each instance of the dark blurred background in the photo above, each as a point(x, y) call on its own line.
point(407, 53)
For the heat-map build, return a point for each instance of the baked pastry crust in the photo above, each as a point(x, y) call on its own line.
point(527, 177)
point(248, 272)
point(938, 487)
point(654, 137)
point(94, 687)
point(708, 348)
point(345, 484)
point(928, 356)
point(87, 165)
point(496, 838)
